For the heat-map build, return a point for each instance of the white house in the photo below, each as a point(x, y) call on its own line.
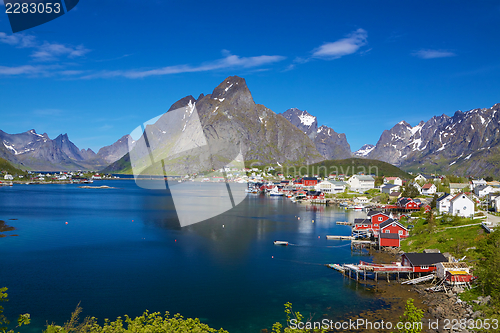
point(8, 177)
point(361, 200)
point(484, 190)
point(462, 205)
point(429, 189)
point(390, 188)
point(477, 182)
point(443, 203)
point(361, 183)
point(420, 177)
point(393, 180)
point(496, 204)
point(417, 186)
point(329, 186)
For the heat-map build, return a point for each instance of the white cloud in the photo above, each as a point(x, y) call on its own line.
point(345, 46)
point(228, 62)
point(431, 54)
point(52, 51)
point(45, 51)
point(21, 70)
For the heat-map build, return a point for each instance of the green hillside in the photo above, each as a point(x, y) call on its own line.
point(122, 166)
point(350, 166)
point(9, 168)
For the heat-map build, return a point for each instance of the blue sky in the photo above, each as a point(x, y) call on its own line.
point(99, 71)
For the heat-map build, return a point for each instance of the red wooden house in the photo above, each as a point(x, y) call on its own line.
point(409, 204)
point(388, 240)
point(315, 195)
point(422, 262)
point(377, 218)
point(310, 181)
point(393, 227)
point(362, 224)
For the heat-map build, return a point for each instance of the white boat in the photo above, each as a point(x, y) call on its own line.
point(280, 243)
point(275, 193)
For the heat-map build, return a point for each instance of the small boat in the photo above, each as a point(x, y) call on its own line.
point(275, 193)
point(280, 243)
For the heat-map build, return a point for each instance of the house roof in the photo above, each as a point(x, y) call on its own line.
point(427, 186)
point(362, 221)
point(391, 178)
point(338, 183)
point(459, 195)
point(458, 185)
point(481, 187)
point(389, 235)
point(389, 186)
point(373, 212)
point(364, 177)
point(425, 259)
point(309, 178)
point(395, 194)
point(444, 196)
point(389, 221)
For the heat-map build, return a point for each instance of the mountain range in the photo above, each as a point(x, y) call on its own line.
point(468, 143)
point(33, 151)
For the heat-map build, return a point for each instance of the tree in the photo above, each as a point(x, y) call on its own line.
point(147, 323)
point(431, 221)
point(434, 201)
point(488, 178)
point(488, 268)
point(409, 191)
point(22, 320)
point(292, 317)
point(413, 316)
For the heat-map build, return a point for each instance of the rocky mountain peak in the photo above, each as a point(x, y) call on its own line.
point(304, 121)
point(364, 151)
point(234, 89)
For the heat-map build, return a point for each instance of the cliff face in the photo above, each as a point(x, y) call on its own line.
point(330, 144)
point(466, 143)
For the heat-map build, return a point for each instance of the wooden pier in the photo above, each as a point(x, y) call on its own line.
point(345, 223)
point(364, 271)
point(340, 237)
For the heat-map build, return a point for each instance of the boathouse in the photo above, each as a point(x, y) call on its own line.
point(393, 227)
point(377, 218)
point(422, 262)
point(309, 181)
point(388, 240)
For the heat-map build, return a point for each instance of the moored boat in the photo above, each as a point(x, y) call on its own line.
point(280, 243)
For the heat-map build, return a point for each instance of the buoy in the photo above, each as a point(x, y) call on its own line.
point(312, 221)
point(272, 257)
point(299, 218)
point(132, 220)
point(176, 240)
point(66, 222)
point(318, 236)
point(223, 225)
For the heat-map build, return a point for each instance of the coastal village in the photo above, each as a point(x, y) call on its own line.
point(397, 212)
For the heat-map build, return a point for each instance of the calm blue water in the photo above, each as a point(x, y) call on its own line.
point(123, 252)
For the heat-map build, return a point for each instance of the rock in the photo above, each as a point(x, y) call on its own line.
point(486, 300)
point(476, 314)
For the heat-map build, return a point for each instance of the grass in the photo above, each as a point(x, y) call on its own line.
point(458, 241)
point(9, 168)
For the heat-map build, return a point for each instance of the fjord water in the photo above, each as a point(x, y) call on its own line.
point(122, 251)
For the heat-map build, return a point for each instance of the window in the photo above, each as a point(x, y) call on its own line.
point(387, 231)
point(400, 232)
point(380, 218)
point(424, 267)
